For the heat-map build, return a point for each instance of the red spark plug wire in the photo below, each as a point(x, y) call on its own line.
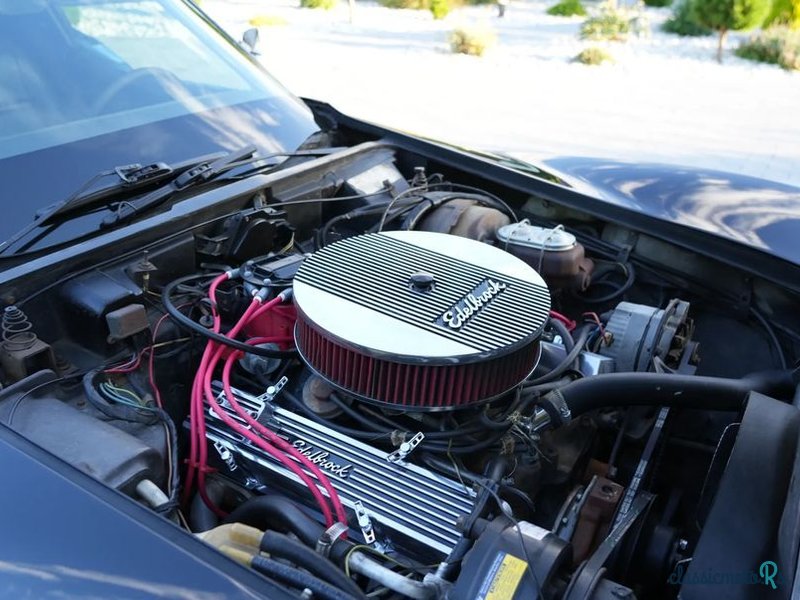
point(198, 454)
point(278, 441)
point(201, 391)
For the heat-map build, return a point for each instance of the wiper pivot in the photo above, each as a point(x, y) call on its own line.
point(200, 173)
point(136, 173)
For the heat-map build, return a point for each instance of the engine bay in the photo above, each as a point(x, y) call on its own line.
point(379, 376)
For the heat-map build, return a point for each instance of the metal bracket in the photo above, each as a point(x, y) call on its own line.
point(135, 173)
point(226, 456)
point(406, 448)
point(364, 523)
point(586, 576)
point(274, 390)
point(222, 399)
point(567, 519)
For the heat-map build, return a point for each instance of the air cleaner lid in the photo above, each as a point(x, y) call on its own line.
point(422, 297)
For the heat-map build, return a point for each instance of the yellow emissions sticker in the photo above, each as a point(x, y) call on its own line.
point(503, 578)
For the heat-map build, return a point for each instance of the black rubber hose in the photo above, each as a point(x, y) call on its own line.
point(282, 546)
point(470, 449)
point(509, 490)
point(378, 428)
point(183, 321)
point(565, 364)
point(669, 389)
point(550, 357)
point(446, 467)
point(357, 213)
point(281, 514)
point(437, 446)
point(562, 330)
point(490, 423)
point(496, 469)
point(534, 391)
point(297, 578)
point(356, 433)
point(201, 517)
point(630, 277)
point(278, 513)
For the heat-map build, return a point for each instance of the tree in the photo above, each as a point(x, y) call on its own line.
point(730, 15)
point(784, 12)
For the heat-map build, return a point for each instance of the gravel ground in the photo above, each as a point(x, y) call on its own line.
point(665, 99)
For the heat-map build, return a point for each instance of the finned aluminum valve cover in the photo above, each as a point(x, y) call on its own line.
point(419, 320)
point(408, 505)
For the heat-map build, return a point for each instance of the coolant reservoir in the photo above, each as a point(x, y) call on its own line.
point(553, 252)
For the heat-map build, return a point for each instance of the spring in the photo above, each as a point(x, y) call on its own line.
point(17, 330)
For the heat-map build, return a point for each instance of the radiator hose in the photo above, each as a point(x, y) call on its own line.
point(282, 546)
point(663, 389)
point(280, 514)
point(299, 579)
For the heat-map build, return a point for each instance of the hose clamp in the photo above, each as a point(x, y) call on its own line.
point(329, 536)
point(556, 407)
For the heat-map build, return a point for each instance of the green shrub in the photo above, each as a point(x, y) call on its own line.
point(567, 8)
point(440, 8)
point(658, 3)
point(784, 12)
point(777, 46)
point(472, 40)
point(730, 15)
point(415, 4)
point(611, 24)
point(323, 4)
point(267, 21)
point(682, 21)
point(593, 56)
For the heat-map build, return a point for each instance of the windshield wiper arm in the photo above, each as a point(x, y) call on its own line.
point(129, 177)
point(200, 173)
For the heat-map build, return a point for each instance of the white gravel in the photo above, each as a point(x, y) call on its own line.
point(665, 99)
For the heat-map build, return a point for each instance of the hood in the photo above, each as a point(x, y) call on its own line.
point(759, 213)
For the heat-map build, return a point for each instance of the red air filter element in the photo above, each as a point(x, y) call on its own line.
point(414, 386)
point(418, 320)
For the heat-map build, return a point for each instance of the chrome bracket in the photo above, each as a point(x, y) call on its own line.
point(406, 448)
point(364, 523)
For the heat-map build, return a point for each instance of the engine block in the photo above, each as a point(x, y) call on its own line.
point(409, 506)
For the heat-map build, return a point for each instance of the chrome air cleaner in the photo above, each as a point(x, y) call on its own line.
point(418, 320)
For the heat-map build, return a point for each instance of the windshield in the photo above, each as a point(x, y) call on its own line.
point(88, 85)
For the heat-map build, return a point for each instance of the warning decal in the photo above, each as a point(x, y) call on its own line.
point(503, 578)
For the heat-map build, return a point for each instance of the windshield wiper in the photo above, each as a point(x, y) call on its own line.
point(198, 174)
point(128, 177)
point(207, 171)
